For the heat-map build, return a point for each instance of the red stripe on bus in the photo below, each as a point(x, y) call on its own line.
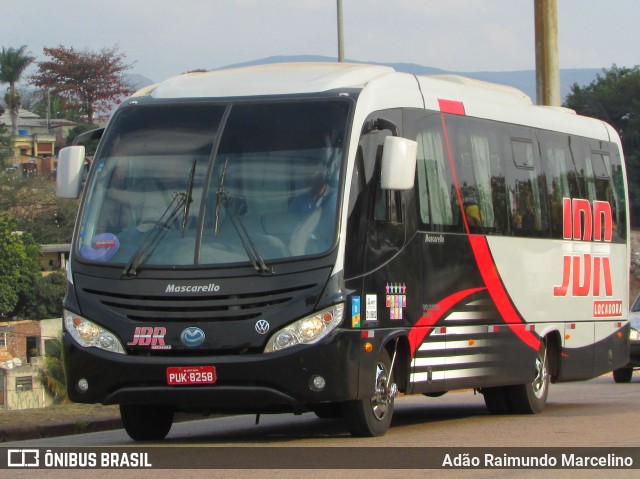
point(424, 325)
point(497, 292)
point(451, 106)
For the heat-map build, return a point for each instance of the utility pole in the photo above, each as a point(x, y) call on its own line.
point(547, 69)
point(340, 33)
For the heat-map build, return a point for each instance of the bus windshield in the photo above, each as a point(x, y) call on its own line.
point(210, 184)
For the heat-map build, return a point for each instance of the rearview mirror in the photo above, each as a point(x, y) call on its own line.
point(398, 163)
point(70, 169)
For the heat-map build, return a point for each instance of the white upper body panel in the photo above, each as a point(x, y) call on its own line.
point(274, 79)
point(381, 87)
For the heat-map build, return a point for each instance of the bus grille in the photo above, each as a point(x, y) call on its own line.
point(200, 308)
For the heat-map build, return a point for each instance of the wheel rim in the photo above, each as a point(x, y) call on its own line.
point(383, 397)
point(540, 380)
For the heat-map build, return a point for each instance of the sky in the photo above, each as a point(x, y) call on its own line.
point(164, 38)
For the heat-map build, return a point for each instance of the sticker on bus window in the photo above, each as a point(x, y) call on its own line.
point(102, 248)
point(372, 307)
point(355, 312)
point(396, 300)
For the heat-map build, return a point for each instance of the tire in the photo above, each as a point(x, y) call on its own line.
point(331, 410)
point(435, 395)
point(531, 398)
point(371, 417)
point(497, 399)
point(623, 375)
point(146, 423)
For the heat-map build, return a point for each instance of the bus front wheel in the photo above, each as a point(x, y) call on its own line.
point(372, 416)
point(146, 423)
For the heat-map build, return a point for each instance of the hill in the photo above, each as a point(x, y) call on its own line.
point(524, 80)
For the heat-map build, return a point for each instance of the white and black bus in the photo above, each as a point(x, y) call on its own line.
point(321, 237)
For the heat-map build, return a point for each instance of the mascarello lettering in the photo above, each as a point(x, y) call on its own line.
point(202, 288)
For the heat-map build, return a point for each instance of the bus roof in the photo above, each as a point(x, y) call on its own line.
point(272, 79)
point(384, 86)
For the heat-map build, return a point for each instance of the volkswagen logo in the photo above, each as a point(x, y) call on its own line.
point(262, 326)
point(192, 337)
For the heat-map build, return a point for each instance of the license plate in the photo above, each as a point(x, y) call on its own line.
point(189, 375)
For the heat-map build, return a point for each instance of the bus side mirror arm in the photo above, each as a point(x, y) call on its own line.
point(398, 163)
point(69, 173)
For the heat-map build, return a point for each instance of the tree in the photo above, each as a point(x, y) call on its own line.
point(5, 143)
point(36, 209)
point(94, 80)
point(615, 98)
point(13, 63)
point(52, 373)
point(19, 267)
point(44, 300)
point(49, 105)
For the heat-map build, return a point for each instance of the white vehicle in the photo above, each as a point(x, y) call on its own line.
point(624, 374)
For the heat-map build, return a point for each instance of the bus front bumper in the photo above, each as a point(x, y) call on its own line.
point(271, 382)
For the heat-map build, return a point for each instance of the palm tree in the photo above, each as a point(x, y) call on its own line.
point(52, 373)
point(13, 63)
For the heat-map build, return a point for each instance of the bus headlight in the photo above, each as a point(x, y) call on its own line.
point(307, 330)
point(90, 335)
point(634, 334)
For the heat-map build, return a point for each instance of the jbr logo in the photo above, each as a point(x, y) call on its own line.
point(580, 222)
point(585, 272)
point(148, 336)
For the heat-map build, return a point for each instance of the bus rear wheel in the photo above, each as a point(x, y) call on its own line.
point(372, 416)
point(623, 375)
point(146, 423)
point(531, 398)
point(528, 398)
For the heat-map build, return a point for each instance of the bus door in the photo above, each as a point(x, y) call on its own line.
point(376, 229)
point(381, 251)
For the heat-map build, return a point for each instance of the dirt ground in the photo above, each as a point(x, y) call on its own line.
point(78, 414)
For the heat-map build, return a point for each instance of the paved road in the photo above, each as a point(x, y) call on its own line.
point(597, 413)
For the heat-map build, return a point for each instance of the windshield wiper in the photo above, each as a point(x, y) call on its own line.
point(181, 200)
point(155, 234)
point(219, 196)
point(249, 246)
point(255, 258)
point(188, 199)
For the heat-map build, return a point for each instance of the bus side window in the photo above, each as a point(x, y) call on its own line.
point(437, 200)
point(476, 151)
point(604, 188)
point(616, 191)
point(388, 204)
point(561, 176)
point(598, 176)
point(526, 188)
point(384, 209)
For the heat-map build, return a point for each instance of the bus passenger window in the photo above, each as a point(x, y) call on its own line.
point(436, 197)
point(604, 186)
point(527, 191)
point(557, 154)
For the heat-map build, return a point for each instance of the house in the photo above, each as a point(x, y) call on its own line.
point(54, 257)
point(35, 145)
point(22, 346)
